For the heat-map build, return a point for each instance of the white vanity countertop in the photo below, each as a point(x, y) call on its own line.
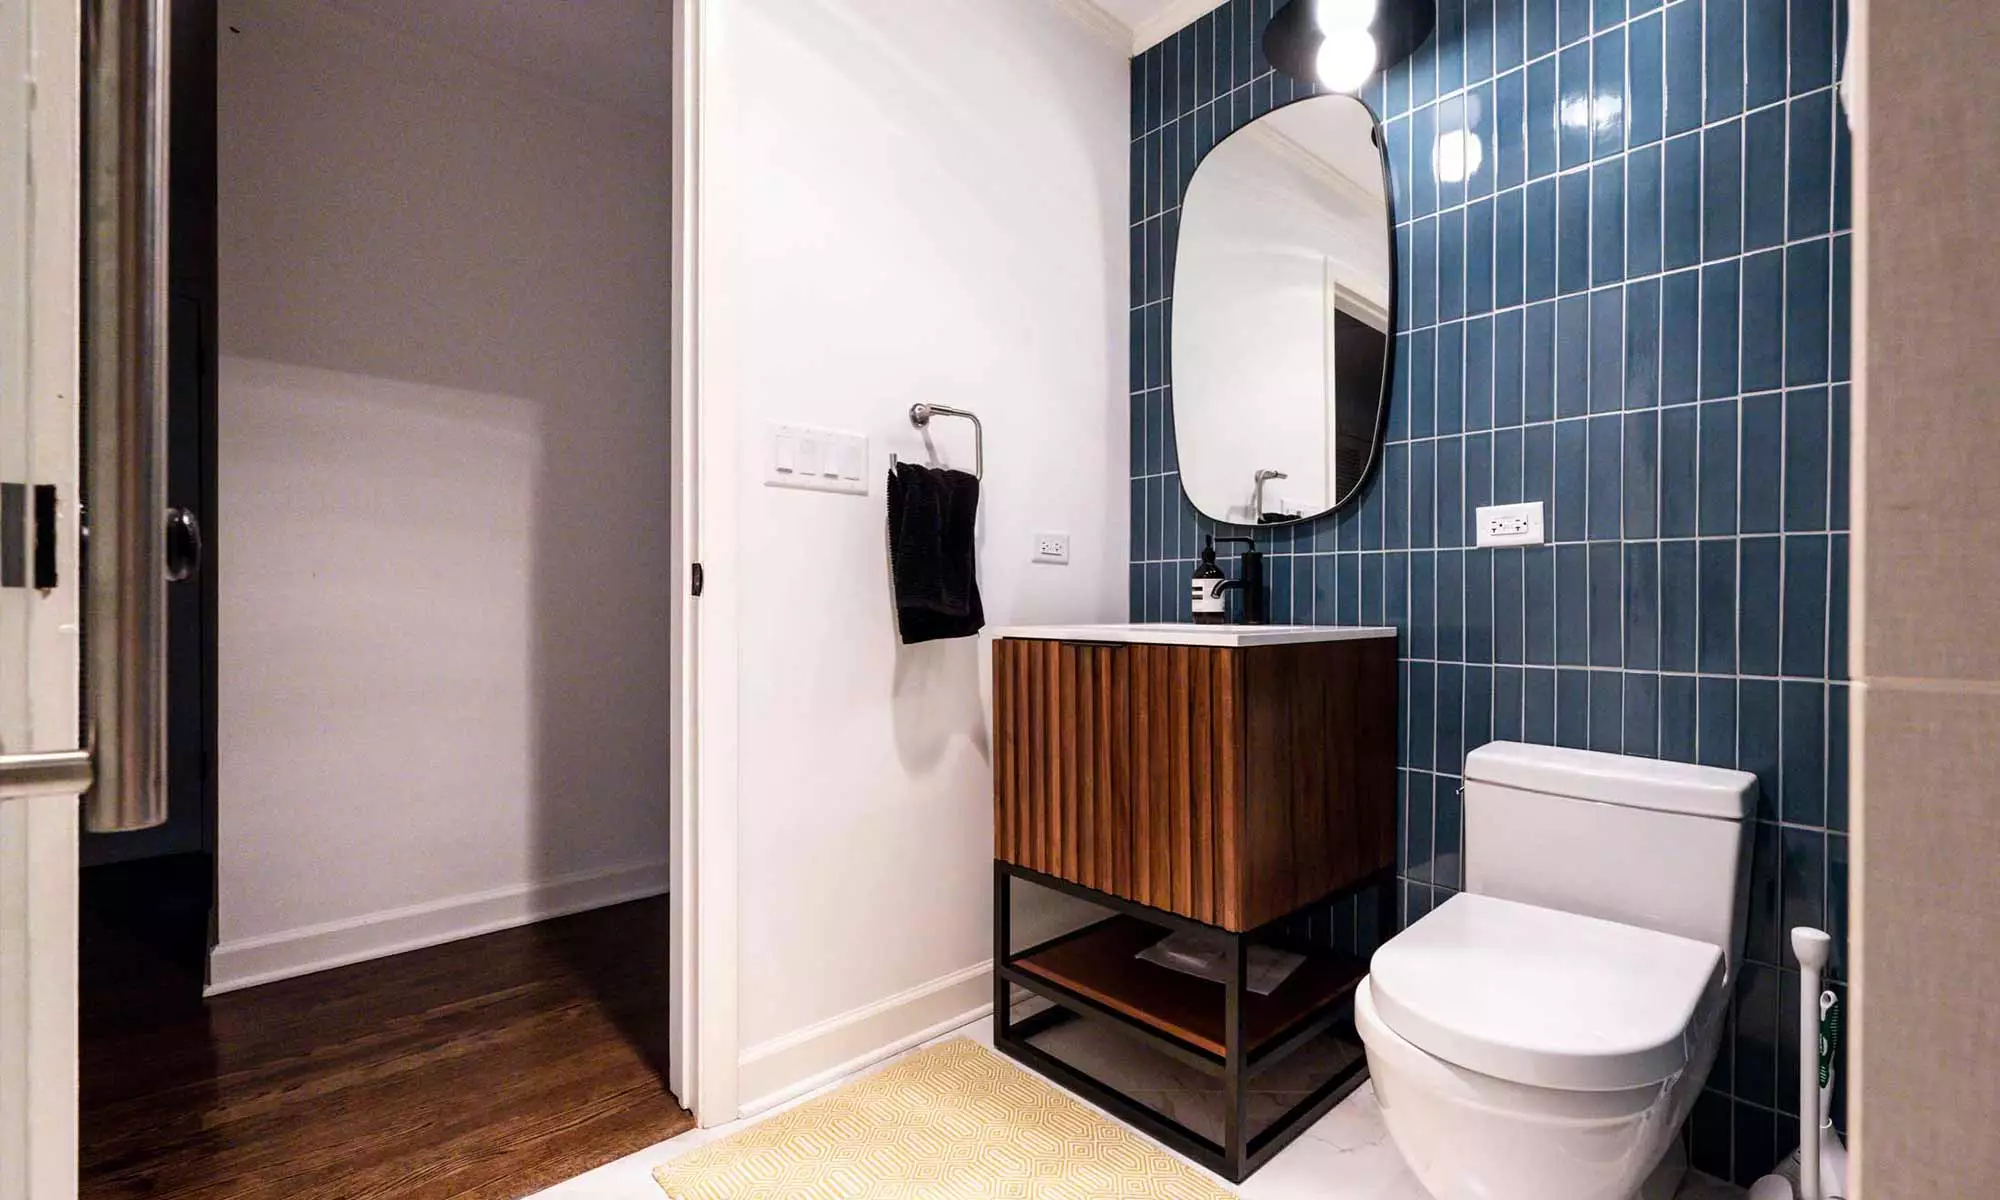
point(1163, 634)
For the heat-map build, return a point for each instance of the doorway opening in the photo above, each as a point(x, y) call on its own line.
point(406, 930)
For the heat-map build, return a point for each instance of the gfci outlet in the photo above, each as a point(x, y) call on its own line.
point(1052, 548)
point(1511, 525)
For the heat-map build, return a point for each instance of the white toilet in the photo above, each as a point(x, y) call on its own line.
point(1544, 1035)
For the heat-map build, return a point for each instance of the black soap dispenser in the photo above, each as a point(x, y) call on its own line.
point(1209, 607)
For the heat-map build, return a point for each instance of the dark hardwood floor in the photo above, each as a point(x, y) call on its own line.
point(487, 1068)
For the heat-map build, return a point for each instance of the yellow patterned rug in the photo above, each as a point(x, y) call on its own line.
point(955, 1122)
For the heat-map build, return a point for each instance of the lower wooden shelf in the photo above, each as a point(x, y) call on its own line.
point(1100, 963)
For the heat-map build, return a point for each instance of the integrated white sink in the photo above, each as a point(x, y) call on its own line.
point(1167, 634)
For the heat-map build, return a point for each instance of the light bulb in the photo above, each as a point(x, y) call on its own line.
point(1346, 59)
point(1332, 15)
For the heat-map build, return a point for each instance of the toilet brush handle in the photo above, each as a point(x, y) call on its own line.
point(1813, 948)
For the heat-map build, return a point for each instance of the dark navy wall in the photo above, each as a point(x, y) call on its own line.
point(1634, 311)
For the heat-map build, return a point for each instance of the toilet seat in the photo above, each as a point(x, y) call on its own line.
point(1546, 998)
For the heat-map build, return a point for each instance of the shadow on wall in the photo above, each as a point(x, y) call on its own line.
point(445, 485)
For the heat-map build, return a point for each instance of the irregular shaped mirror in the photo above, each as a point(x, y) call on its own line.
point(1284, 315)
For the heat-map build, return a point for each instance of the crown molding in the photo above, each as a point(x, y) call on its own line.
point(1169, 21)
point(1107, 28)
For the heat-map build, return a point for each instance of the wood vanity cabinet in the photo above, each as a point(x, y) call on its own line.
point(1231, 785)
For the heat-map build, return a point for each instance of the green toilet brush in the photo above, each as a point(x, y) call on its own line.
point(1786, 1183)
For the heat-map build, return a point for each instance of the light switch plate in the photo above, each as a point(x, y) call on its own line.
point(1052, 548)
point(817, 460)
point(1510, 525)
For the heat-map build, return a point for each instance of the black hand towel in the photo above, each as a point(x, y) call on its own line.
point(931, 555)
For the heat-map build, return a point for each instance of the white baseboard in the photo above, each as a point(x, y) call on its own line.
point(251, 961)
point(788, 1067)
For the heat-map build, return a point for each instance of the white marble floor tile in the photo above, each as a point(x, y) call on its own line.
point(1346, 1156)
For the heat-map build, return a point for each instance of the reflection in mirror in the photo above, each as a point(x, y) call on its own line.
point(1282, 317)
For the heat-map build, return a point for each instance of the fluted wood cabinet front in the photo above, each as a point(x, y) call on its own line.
point(1228, 785)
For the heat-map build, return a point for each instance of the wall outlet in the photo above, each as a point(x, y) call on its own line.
point(1052, 548)
point(1510, 525)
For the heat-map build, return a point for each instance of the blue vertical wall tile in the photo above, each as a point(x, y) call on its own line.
point(1764, 179)
point(1573, 709)
point(1679, 606)
point(1680, 454)
point(1641, 366)
point(1607, 223)
point(1479, 374)
point(1641, 484)
point(1451, 265)
point(1479, 257)
point(1642, 605)
point(1568, 516)
point(1573, 233)
point(1812, 44)
point(1643, 211)
point(1761, 577)
point(1682, 195)
point(1684, 67)
point(1724, 57)
point(1572, 332)
point(1763, 328)
point(1421, 372)
point(1722, 190)
point(1806, 603)
point(1573, 18)
point(1478, 40)
point(1808, 454)
point(1646, 93)
point(1539, 358)
point(1449, 382)
point(1572, 587)
point(1573, 106)
point(1721, 318)
point(1606, 484)
point(1538, 706)
point(1607, 605)
point(1718, 492)
point(1509, 34)
point(1607, 711)
point(1715, 722)
point(1765, 52)
point(1538, 607)
point(1717, 597)
point(1509, 244)
point(1597, 342)
point(1607, 103)
point(1680, 337)
point(1810, 164)
point(1541, 240)
point(1607, 350)
point(1543, 106)
point(1762, 462)
point(1806, 312)
point(1423, 174)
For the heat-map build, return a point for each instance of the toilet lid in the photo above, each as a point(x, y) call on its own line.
point(1545, 998)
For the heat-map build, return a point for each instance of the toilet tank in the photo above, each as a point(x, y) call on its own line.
point(1662, 845)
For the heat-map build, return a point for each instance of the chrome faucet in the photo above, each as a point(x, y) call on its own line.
point(1257, 498)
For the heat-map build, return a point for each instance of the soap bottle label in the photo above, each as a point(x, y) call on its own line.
point(1208, 595)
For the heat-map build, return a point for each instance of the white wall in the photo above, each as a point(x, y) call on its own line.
point(927, 201)
point(443, 534)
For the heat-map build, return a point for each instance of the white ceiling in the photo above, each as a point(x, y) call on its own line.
point(615, 52)
point(1152, 20)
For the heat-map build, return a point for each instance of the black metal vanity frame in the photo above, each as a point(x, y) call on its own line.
point(1241, 1154)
